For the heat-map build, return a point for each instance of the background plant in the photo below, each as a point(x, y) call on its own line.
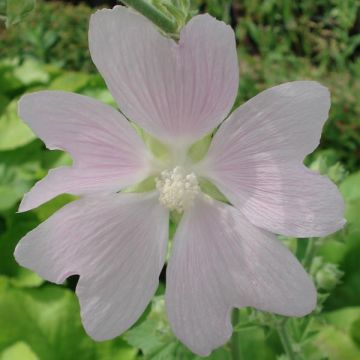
point(278, 41)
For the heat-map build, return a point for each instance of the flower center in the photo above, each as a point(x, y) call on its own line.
point(177, 188)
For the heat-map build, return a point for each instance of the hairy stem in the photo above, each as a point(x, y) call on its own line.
point(310, 253)
point(154, 15)
point(235, 341)
point(285, 338)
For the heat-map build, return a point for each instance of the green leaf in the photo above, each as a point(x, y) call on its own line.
point(13, 131)
point(154, 337)
point(4, 101)
point(16, 10)
point(31, 72)
point(70, 81)
point(333, 251)
point(48, 321)
point(348, 292)
point(352, 212)
point(19, 169)
point(100, 94)
point(8, 196)
point(350, 187)
point(355, 331)
point(2, 8)
point(55, 158)
point(334, 344)
point(153, 333)
point(19, 350)
point(249, 340)
point(17, 226)
point(116, 349)
point(343, 319)
point(8, 81)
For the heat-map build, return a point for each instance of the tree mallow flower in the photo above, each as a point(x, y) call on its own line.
point(223, 255)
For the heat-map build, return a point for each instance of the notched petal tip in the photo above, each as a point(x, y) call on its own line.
point(107, 152)
point(250, 267)
point(109, 302)
point(24, 257)
point(171, 77)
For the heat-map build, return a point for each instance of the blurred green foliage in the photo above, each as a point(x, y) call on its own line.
point(278, 41)
point(13, 11)
point(53, 33)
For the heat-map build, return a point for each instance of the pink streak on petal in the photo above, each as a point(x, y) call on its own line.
point(116, 243)
point(220, 261)
point(172, 90)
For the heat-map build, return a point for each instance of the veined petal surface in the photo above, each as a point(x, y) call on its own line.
point(256, 161)
point(220, 261)
point(116, 243)
point(176, 91)
point(106, 151)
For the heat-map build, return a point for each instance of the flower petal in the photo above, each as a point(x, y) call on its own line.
point(116, 243)
point(284, 198)
point(220, 261)
point(285, 120)
point(70, 180)
point(173, 90)
point(106, 150)
point(256, 161)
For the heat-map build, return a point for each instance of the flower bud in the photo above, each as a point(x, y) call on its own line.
point(328, 277)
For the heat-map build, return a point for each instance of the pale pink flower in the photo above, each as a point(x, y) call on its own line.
point(223, 256)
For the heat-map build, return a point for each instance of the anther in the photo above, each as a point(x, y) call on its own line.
point(177, 189)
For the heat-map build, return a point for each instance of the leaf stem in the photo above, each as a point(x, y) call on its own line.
point(285, 339)
point(310, 252)
point(154, 15)
point(235, 340)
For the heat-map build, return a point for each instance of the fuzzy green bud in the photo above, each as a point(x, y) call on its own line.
point(326, 166)
point(328, 277)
